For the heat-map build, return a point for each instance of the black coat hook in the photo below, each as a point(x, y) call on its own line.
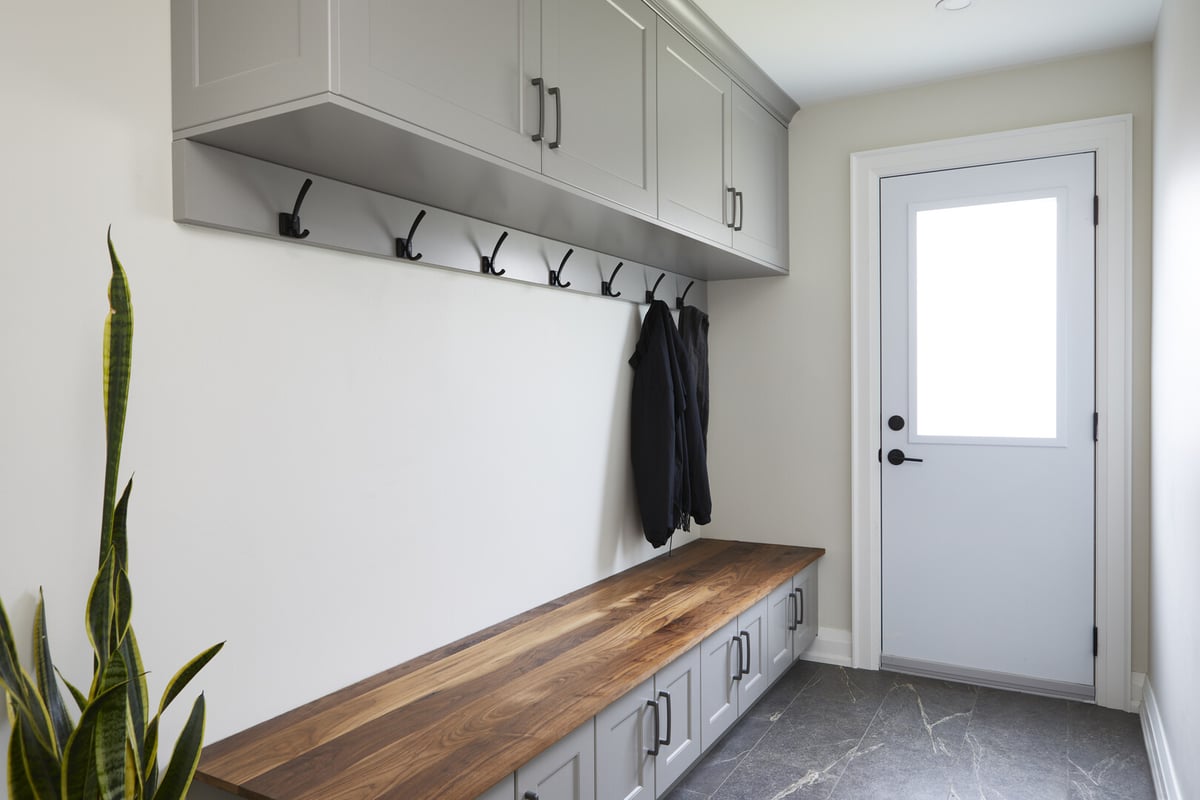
point(556, 277)
point(289, 224)
point(489, 264)
point(606, 285)
point(679, 300)
point(404, 247)
point(650, 294)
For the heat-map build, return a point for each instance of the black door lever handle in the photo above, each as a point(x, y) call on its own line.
point(897, 457)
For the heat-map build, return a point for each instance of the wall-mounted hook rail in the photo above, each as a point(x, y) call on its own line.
point(404, 247)
point(556, 275)
point(606, 285)
point(680, 300)
point(289, 224)
point(489, 264)
point(650, 294)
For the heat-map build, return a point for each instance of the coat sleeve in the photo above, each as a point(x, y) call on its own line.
point(654, 441)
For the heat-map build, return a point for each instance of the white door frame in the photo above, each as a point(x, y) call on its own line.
point(1111, 138)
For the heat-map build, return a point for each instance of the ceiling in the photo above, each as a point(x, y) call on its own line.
point(819, 51)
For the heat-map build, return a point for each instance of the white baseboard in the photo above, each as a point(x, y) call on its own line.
point(832, 646)
point(1165, 783)
point(1137, 689)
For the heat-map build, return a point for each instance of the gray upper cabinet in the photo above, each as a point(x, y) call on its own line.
point(695, 139)
point(759, 180)
point(598, 65)
point(459, 68)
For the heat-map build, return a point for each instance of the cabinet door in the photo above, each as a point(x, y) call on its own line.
point(760, 179)
point(624, 737)
point(752, 628)
point(599, 56)
point(565, 771)
point(504, 790)
point(779, 631)
point(680, 681)
point(230, 58)
point(460, 68)
point(719, 678)
point(695, 139)
point(807, 618)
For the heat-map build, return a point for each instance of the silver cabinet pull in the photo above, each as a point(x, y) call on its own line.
point(541, 134)
point(557, 92)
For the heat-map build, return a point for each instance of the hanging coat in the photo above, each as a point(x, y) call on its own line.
point(693, 329)
point(670, 467)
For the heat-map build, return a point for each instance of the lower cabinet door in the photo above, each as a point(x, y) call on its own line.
point(752, 628)
point(564, 771)
point(804, 587)
point(680, 682)
point(624, 741)
point(779, 631)
point(504, 790)
point(720, 674)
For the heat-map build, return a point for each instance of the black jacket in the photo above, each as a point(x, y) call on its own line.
point(670, 466)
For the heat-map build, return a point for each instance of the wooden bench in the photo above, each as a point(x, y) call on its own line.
point(454, 722)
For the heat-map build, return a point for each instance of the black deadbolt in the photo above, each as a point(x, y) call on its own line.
point(896, 422)
point(897, 457)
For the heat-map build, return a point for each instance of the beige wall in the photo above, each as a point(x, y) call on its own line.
point(780, 430)
point(1175, 592)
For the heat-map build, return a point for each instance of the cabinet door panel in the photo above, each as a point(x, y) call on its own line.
point(504, 790)
point(806, 601)
point(624, 734)
point(461, 68)
point(695, 147)
point(681, 680)
point(600, 56)
point(564, 771)
point(760, 174)
point(228, 58)
point(754, 683)
point(718, 689)
point(779, 631)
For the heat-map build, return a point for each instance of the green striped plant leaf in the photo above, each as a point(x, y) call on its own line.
point(99, 615)
point(183, 677)
point(182, 766)
point(79, 778)
point(41, 765)
point(47, 681)
point(20, 782)
point(110, 735)
point(118, 358)
point(79, 697)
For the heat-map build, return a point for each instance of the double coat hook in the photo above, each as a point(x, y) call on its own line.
point(289, 224)
point(606, 285)
point(556, 276)
point(650, 294)
point(679, 300)
point(404, 247)
point(489, 264)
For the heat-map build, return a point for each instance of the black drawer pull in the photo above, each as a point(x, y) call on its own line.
point(653, 751)
point(737, 675)
point(745, 669)
point(667, 696)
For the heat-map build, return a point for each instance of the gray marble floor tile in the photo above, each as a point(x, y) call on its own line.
point(1107, 755)
point(758, 778)
point(685, 794)
point(1017, 723)
point(993, 768)
point(785, 690)
point(707, 776)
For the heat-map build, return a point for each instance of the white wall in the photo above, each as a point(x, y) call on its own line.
point(341, 462)
point(780, 440)
point(1175, 540)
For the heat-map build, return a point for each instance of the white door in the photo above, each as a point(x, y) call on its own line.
point(987, 391)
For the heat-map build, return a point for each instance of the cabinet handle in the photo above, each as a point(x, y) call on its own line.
point(541, 134)
point(653, 751)
point(737, 676)
point(667, 696)
point(745, 669)
point(530, 795)
point(740, 201)
point(792, 603)
point(732, 207)
point(800, 592)
point(557, 92)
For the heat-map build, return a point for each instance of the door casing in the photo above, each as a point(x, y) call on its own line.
point(1111, 138)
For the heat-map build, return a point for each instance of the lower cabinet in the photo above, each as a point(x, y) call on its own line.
point(804, 588)
point(565, 771)
point(649, 737)
point(732, 671)
point(504, 790)
point(791, 621)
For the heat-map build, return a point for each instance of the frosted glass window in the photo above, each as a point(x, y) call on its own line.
point(985, 310)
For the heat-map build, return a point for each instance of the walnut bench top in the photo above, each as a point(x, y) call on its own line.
point(453, 722)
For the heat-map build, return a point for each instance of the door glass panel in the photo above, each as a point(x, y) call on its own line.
point(985, 339)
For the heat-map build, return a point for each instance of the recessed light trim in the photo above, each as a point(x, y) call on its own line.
point(952, 5)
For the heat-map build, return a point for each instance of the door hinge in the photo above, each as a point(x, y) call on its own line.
point(879, 455)
point(1095, 642)
point(1095, 426)
point(1096, 210)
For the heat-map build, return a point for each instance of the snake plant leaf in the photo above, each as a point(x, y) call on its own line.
point(78, 767)
point(80, 698)
point(133, 773)
point(183, 677)
point(123, 610)
point(110, 736)
point(41, 765)
point(36, 714)
point(118, 358)
point(120, 537)
point(99, 613)
point(47, 681)
point(182, 767)
point(150, 760)
point(20, 782)
point(138, 698)
point(10, 666)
